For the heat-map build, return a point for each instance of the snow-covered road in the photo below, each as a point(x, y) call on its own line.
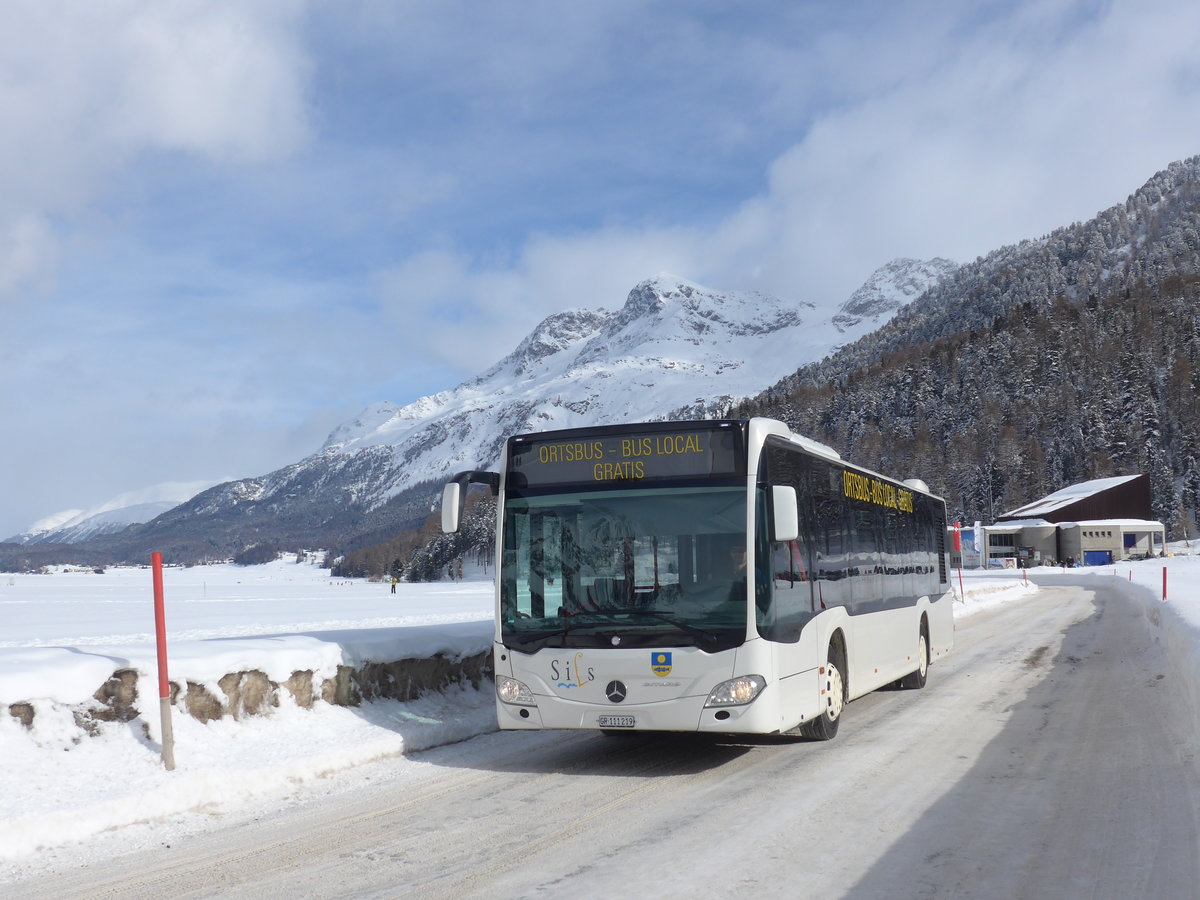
point(1043, 759)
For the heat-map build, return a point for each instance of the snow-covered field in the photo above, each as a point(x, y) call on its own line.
point(62, 635)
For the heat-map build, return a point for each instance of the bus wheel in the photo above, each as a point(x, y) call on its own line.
point(825, 726)
point(916, 680)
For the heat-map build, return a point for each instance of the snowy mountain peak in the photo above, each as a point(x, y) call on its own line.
point(650, 296)
point(364, 423)
point(55, 522)
point(699, 309)
point(647, 297)
point(890, 287)
point(665, 317)
point(675, 349)
point(131, 508)
point(553, 335)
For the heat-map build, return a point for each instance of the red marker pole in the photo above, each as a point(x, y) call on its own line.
point(962, 591)
point(164, 685)
point(1164, 583)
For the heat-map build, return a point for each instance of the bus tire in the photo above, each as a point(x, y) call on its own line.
point(916, 680)
point(825, 726)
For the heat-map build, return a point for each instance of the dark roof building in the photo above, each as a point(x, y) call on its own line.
point(1092, 523)
point(1122, 497)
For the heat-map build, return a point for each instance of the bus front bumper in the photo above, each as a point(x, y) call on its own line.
point(681, 714)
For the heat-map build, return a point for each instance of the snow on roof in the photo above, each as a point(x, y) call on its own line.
point(1123, 524)
point(1018, 525)
point(1013, 526)
point(1069, 495)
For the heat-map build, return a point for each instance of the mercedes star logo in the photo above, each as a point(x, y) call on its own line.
point(615, 691)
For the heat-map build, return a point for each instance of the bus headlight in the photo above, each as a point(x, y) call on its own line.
point(509, 690)
point(736, 691)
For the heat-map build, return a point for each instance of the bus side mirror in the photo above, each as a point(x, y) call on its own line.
point(454, 495)
point(453, 498)
point(785, 515)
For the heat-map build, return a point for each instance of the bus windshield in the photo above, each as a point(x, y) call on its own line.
point(631, 567)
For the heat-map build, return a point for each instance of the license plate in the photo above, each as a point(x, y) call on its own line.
point(617, 722)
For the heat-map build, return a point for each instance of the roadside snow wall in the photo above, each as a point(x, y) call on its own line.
point(240, 677)
point(1180, 639)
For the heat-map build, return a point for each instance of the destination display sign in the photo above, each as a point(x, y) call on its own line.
point(873, 490)
point(625, 456)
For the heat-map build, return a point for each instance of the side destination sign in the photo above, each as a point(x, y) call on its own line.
point(626, 457)
point(872, 490)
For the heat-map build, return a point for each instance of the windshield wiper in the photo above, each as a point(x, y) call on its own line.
point(707, 639)
point(542, 638)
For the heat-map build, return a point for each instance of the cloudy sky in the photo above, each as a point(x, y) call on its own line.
point(225, 227)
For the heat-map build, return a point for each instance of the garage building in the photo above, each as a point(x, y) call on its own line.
point(1093, 523)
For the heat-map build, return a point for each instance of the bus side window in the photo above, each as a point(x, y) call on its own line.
point(831, 567)
point(787, 565)
point(791, 604)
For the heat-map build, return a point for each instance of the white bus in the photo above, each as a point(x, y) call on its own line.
point(718, 576)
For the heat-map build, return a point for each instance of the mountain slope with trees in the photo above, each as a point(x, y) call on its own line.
point(1043, 364)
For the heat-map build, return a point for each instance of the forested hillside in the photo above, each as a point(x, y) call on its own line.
point(1040, 365)
point(993, 418)
point(425, 554)
point(1153, 235)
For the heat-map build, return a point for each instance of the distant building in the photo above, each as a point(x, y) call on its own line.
point(1093, 523)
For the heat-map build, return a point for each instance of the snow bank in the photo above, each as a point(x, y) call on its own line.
point(114, 780)
point(983, 590)
point(66, 633)
point(1175, 620)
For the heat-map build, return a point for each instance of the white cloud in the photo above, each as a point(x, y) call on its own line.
point(89, 89)
point(221, 79)
point(1025, 125)
point(941, 136)
point(470, 316)
point(28, 253)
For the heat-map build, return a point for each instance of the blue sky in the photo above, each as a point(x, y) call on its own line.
point(225, 227)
